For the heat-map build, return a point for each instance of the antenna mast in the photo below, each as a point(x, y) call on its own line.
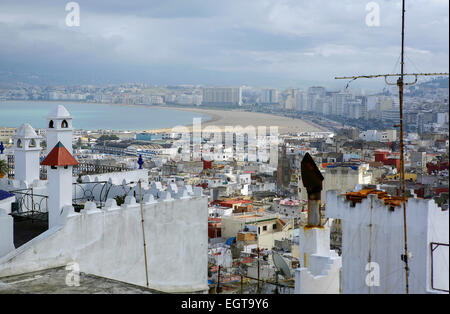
point(402, 157)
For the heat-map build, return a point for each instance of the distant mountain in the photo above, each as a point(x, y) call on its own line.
point(439, 82)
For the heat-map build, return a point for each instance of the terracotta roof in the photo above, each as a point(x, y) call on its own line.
point(289, 202)
point(59, 156)
point(247, 260)
point(357, 197)
point(281, 222)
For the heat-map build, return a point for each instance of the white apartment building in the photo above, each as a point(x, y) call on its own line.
point(300, 101)
point(269, 96)
point(379, 136)
point(222, 96)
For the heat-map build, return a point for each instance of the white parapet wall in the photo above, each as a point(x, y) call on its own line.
point(320, 267)
point(373, 242)
point(6, 233)
point(108, 242)
point(120, 177)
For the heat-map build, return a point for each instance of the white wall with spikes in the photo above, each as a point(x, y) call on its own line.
point(108, 242)
point(373, 233)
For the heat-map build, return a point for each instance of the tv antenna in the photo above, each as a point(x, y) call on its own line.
point(282, 268)
point(400, 83)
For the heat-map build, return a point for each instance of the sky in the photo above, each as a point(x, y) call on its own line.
point(262, 43)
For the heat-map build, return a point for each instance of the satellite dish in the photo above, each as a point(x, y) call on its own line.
point(281, 265)
point(242, 269)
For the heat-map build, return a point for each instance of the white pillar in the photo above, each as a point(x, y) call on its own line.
point(26, 154)
point(59, 128)
point(60, 193)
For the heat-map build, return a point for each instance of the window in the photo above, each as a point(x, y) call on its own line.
point(32, 143)
point(274, 226)
point(51, 124)
point(64, 124)
point(19, 143)
point(264, 228)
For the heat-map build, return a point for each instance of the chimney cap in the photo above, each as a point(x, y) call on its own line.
point(311, 177)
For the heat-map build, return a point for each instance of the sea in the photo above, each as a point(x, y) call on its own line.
point(94, 116)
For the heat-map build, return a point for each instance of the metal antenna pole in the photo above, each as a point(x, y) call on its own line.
point(143, 231)
point(402, 157)
point(258, 290)
point(218, 289)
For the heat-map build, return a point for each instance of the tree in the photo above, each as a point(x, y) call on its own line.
point(107, 138)
point(79, 143)
point(4, 168)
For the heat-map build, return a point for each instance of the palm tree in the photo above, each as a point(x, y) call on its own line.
point(3, 168)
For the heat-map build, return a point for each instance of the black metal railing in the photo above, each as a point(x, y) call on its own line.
point(433, 247)
point(30, 205)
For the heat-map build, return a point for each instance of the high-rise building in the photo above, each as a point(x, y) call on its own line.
point(300, 101)
point(222, 96)
point(339, 101)
point(391, 115)
point(269, 96)
point(314, 93)
point(317, 90)
point(290, 102)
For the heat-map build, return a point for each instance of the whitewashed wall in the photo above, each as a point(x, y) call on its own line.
point(319, 269)
point(371, 227)
point(6, 233)
point(108, 242)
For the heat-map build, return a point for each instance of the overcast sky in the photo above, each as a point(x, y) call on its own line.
point(280, 43)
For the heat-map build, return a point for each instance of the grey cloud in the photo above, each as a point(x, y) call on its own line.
point(219, 41)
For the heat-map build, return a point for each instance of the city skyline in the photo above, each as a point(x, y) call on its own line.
point(259, 43)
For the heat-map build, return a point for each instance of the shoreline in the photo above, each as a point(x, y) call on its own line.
point(220, 118)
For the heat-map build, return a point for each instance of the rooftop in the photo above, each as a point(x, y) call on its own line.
point(357, 197)
point(26, 131)
point(59, 156)
point(59, 112)
point(53, 281)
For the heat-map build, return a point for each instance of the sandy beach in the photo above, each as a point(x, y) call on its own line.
point(223, 118)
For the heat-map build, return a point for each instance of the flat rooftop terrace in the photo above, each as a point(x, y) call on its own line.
point(53, 281)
